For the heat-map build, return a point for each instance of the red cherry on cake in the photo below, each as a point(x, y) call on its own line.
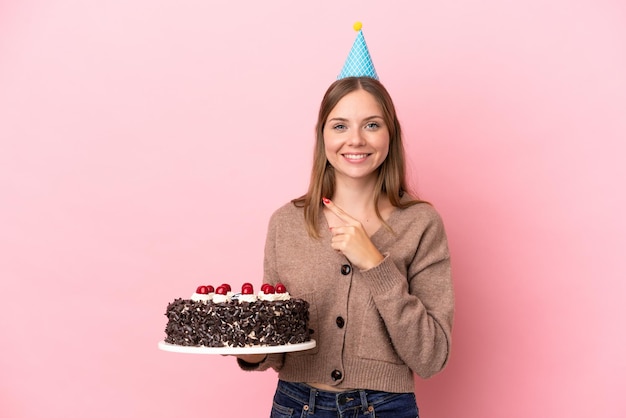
point(210, 288)
point(202, 290)
point(226, 286)
point(247, 290)
point(221, 290)
point(269, 290)
point(280, 288)
point(264, 286)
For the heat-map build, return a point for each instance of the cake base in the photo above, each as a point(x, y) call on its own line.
point(258, 349)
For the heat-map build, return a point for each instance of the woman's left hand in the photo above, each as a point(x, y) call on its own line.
point(352, 241)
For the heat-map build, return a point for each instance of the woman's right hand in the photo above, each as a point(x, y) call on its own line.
point(252, 358)
point(351, 239)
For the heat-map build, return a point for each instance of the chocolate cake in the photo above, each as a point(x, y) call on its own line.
point(224, 319)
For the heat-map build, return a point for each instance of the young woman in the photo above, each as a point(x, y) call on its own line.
point(371, 260)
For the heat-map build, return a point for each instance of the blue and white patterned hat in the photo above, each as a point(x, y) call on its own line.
point(359, 63)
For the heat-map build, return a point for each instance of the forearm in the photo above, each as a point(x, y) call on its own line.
point(418, 322)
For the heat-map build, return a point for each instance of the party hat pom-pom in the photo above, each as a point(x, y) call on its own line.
point(357, 26)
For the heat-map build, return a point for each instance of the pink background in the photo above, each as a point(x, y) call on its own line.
point(144, 145)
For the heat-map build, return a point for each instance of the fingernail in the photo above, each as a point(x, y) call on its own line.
point(325, 200)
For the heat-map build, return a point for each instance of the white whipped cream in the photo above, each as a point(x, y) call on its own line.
point(196, 297)
point(247, 298)
point(273, 297)
point(217, 298)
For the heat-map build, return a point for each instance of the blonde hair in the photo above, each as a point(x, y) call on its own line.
point(391, 173)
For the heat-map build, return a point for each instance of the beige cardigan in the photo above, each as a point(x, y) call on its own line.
point(372, 327)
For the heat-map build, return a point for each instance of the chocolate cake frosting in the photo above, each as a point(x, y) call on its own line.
point(236, 323)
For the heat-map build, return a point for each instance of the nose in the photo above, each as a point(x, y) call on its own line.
point(356, 138)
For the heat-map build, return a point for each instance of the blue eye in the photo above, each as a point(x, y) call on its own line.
point(372, 125)
point(339, 127)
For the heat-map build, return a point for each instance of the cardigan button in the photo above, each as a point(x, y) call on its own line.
point(340, 322)
point(346, 269)
point(336, 375)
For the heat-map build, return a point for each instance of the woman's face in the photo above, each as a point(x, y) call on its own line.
point(356, 138)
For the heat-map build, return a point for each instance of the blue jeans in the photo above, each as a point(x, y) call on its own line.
point(298, 400)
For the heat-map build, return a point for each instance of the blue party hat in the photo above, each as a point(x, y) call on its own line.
point(359, 63)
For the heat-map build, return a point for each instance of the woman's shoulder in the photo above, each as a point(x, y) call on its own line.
point(288, 209)
point(421, 212)
point(287, 213)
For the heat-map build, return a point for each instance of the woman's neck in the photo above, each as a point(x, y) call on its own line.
point(355, 196)
point(358, 201)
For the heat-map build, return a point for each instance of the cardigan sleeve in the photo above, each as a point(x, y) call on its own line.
point(418, 308)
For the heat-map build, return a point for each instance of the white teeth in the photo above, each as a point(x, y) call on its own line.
point(355, 156)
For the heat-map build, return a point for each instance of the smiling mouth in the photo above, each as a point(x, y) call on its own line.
point(355, 156)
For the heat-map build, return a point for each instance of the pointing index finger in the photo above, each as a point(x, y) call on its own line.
point(340, 213)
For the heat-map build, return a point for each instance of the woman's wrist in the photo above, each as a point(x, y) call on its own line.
point(373, 262)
